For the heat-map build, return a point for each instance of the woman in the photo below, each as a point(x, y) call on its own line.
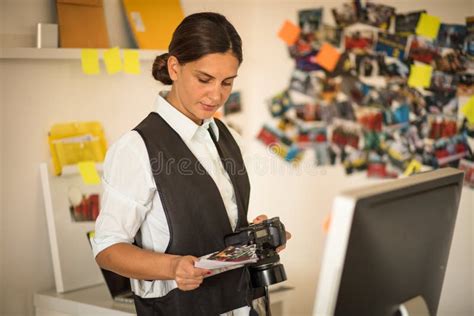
point(166, 186)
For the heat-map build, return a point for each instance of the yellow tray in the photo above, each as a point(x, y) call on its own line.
point(71, 143)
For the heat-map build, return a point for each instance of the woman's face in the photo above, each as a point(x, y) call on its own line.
point(201, 87)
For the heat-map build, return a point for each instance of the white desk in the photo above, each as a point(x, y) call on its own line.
point(94, 300)
point(97, 301)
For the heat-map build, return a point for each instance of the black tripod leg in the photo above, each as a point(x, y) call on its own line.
point(268, 311)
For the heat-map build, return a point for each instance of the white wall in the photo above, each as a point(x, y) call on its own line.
point(20, 19)
point(39, 93)
point(2, 106)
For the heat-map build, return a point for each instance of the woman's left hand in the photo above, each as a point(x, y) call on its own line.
point(261, 218)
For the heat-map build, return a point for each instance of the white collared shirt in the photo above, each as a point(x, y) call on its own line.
point(130, 201)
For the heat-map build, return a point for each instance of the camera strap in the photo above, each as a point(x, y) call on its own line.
point(238, 196)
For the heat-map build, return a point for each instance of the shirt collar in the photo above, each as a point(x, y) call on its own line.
point(183, 125)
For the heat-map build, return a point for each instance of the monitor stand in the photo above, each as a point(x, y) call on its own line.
point(414, 307)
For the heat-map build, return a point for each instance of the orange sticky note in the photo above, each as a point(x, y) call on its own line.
point(289, 33)
point(428, 26)
point(328, 57)
point(219, 114)
point(326, 223)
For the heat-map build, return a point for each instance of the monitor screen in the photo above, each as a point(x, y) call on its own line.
point(388, 244)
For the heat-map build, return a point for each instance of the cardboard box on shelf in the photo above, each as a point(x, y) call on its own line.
point(82, 24)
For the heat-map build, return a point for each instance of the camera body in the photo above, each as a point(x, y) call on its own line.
point(267, 236)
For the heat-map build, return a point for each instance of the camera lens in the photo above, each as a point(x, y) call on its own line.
point(265, 275)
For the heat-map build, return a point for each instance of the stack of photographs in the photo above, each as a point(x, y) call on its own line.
point(232, 257)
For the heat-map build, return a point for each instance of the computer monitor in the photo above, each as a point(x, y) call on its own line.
point(388, 244)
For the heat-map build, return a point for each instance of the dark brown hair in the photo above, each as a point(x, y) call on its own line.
point(197, 35)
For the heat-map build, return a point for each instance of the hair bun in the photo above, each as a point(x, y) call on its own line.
point(160, 69)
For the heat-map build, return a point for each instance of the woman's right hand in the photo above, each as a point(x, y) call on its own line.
point(186, 275)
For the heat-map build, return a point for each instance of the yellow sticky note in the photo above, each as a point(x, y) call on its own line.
point(428, 26)
point(112, 60)
point(131, 62)
point(88, 172)
point(468, 110)
point(413, 167)
point(420, 76)
point(90, 61)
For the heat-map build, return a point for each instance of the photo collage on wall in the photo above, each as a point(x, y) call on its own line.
point(385, 92)
point(231, 111)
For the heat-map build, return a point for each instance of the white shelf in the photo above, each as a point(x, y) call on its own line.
point(63, 53)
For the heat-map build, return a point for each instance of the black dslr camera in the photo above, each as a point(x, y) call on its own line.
point(267, 236)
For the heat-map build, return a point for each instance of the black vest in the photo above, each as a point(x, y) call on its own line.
point(197, 218)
